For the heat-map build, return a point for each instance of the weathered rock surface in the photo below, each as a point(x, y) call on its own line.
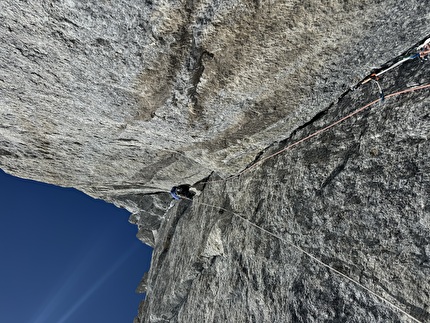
point(130, 96)
point(355, 197)
point(123, 99)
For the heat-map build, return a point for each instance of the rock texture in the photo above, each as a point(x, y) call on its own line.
point(124, 99)
point(355, 197)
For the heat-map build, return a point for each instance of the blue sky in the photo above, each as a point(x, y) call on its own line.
point(65, 257)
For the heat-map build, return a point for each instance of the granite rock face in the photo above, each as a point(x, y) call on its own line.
point(355, 197)
point(132, 96)
point(124, 99)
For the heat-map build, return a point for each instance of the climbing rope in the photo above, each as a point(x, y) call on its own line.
point(320, 131)
point(381, 91)
point(422, 52)
point(374, 76)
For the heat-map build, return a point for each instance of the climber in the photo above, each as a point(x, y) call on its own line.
point(184, 191)
point(424, 49)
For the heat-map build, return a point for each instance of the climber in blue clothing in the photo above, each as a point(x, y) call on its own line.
point(183, 191)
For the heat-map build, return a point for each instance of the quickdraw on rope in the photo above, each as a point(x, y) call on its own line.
point(381, 91)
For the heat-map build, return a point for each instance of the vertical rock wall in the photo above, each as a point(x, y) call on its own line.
point(122, 100)
point(130, 97)
point(354, 197)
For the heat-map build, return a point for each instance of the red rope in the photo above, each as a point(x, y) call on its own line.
point(408, 90)
point(417, 88)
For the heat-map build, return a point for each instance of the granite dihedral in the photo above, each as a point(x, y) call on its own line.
point(125, 99)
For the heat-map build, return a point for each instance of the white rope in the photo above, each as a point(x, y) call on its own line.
point(395, 65)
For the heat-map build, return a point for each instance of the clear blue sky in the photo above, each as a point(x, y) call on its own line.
point(65, 257)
